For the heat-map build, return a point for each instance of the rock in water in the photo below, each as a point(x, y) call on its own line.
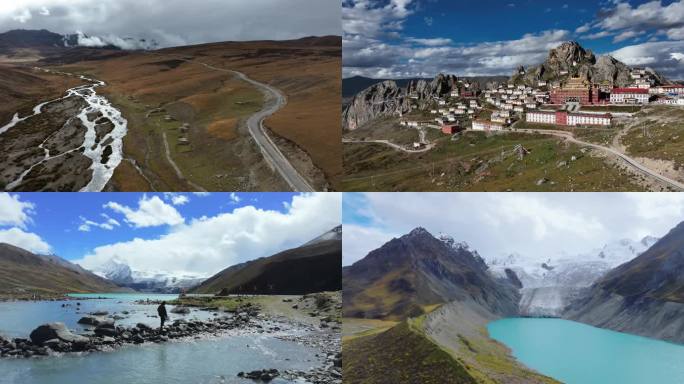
point(181, 310)
point(106, 330)
point(55, 331)
point(262, 375)
point(95, 320)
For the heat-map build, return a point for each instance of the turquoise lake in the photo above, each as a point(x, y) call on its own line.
point(576, 353)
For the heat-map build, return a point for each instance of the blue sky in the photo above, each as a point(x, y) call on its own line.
point(410, 38)
point(535, 225)
point(195, 233)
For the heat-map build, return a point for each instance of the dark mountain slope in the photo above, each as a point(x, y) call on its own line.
point(22, 272)
point(313, 267)
point(408, 274)
point(644, 296)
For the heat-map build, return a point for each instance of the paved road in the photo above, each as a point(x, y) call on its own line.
point(255, 125)
point(630, 161)
point(391, 144)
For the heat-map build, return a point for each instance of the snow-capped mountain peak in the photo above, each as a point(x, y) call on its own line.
point(122, 274)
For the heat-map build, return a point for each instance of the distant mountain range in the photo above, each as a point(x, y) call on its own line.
point(312, 267)
point(23, 273)
point(146, 281)
point(44, 39)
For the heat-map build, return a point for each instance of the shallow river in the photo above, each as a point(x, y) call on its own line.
point(576, 353)
point(213, 360)
point(102, 172)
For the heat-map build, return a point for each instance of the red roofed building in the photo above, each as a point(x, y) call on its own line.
point(574, 90)
point(629, 96)
point(450, 129)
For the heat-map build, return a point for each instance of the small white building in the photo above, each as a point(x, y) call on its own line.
point(487, 126)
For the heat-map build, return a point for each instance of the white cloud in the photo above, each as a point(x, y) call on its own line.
point(234, 198)
point(379, 59)
point(176, 198)
point(108, 224)
point(151, 212)
point(173, 22)
point(22, 16)
point(26, 240)
point(658, 54)
point(209, 244)
point(358, 240)
point(536, 225)
point(583, 28)
point(430, 42)
point(13, 211)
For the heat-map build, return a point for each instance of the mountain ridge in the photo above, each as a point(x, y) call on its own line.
point(23, 272)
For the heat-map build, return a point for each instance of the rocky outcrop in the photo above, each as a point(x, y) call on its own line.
point(387, 99)
point(571, 60)
point(379, 100)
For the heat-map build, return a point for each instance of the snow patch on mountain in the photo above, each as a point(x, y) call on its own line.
point(548, 285)
point(155, 281)
point(333, 234)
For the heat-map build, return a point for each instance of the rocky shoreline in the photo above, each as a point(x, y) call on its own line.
point(55, 339)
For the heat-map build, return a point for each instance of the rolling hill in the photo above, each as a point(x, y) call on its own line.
point(312, 267)
point(23, 272)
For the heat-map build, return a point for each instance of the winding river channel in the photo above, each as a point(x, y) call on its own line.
point(105, 151)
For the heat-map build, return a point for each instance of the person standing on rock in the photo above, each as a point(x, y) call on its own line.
point(161, 310)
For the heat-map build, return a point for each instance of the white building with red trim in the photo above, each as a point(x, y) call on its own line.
point(567, 118)
point(629, 96)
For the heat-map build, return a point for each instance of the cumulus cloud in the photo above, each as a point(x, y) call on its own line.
point(234, 198)
point(176, 22)
point(26, 240)
point(534, 225)
point(176, 198)
point(660, 55)
point(151, 212)
point(14, 211)
point(108, 223)
point(209, 244)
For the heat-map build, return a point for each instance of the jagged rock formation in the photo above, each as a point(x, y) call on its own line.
point(644, 296)
point(405, 275)
point(571, 60)
point(387, 99)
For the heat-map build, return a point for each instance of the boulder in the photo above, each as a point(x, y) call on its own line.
point(95, 320)
point(106, 330)
point(181, 310)
point(143, 327)
point(100, 313)
point(59, 331)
